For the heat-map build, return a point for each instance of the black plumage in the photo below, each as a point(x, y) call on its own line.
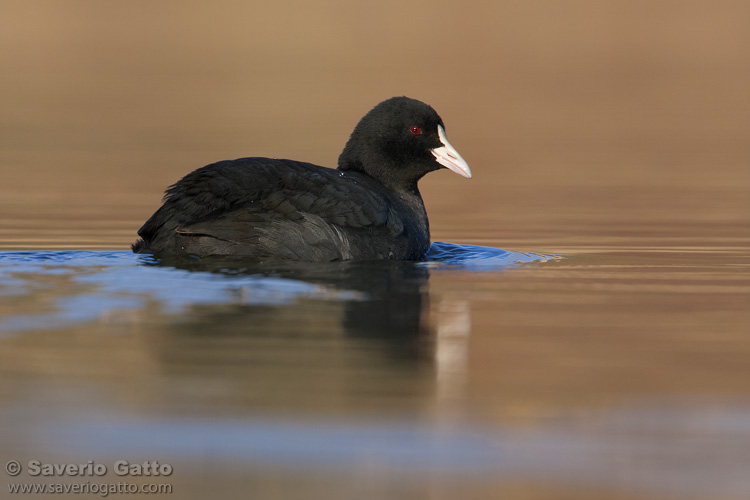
point(368, 209)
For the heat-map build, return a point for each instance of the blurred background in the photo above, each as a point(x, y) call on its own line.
point(616, 133)
point(579, 112)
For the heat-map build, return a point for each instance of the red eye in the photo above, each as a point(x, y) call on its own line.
point(415, 130)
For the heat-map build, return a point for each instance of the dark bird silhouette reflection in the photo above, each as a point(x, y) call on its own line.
point(364, 332)
point(387, 297)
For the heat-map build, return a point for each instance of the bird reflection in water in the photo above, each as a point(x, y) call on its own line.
point(368, 333)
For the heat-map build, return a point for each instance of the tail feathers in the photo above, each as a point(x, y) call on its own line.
point(139, 246)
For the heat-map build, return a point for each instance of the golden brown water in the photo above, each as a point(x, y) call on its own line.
point(615, 134)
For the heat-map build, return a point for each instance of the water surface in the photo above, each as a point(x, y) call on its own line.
point(471, 372)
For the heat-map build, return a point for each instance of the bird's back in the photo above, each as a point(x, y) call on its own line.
point(261, 207)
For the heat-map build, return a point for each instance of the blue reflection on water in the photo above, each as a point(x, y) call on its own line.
point(642, 449)
point(89, 284)
point(280, 442)
point(479, 258)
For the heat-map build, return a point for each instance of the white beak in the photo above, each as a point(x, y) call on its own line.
point(449, 157)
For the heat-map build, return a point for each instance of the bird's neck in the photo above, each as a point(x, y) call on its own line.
point(412, 201)
point(388, 177)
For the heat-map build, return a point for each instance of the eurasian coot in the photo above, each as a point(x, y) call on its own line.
point(367, 209)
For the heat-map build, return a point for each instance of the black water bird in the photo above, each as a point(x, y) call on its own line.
point(259, 208)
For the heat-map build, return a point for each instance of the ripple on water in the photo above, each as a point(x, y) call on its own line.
point(475, 257)
point(89, 284)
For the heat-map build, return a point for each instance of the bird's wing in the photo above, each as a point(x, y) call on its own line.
point(273, 203)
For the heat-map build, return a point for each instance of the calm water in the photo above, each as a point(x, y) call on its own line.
point(477, 372)
point(603, 354)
